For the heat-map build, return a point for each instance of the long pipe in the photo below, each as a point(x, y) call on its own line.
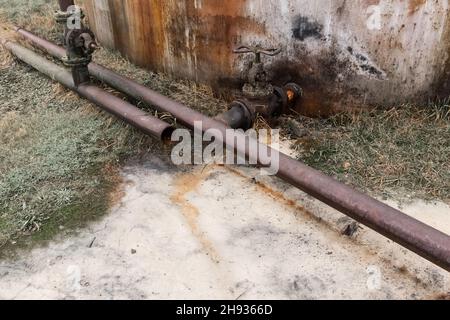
point(110, 103)
point(414, 235)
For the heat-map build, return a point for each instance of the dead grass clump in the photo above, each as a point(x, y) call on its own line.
point(6, 58)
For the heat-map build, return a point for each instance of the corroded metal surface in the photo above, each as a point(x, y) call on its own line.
point(344, 53)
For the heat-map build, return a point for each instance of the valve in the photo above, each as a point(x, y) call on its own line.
point(79, 42)
point(257, 85)
point(259, 96)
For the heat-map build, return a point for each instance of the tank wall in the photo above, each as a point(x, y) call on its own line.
point(345, 53)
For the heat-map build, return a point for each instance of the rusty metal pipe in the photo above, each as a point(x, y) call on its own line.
point(108, 102)
point(184, 115)
point(47, 46)
point(414, 235)
point(235, 118)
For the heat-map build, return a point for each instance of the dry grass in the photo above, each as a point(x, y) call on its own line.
point(400, 151)
point(5, 59)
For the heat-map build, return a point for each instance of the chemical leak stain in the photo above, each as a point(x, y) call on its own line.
point(280, 197)
point(441, 296)
point(184, 185)
point(115, 179)
point(333, 232)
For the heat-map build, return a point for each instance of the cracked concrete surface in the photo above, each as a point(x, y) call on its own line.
point(221, 233)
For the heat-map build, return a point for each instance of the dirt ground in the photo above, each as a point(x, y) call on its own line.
point(210, 232)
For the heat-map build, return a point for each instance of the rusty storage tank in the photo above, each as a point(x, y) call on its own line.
point(344, 53)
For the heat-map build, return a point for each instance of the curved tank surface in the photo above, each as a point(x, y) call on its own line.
point(345, 54)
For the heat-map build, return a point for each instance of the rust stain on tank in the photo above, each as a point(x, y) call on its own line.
point(189, 39)
point(193, 39)
point(202, 35)
point(415, 5)
point(138, 28)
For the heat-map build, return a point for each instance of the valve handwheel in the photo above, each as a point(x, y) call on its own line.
point(257, 51)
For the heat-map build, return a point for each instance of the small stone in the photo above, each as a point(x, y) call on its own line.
point(133, 251)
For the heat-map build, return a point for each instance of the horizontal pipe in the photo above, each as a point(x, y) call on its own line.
point(47, 46)
point(236, 118)
point(414, 235)
point(108, 102)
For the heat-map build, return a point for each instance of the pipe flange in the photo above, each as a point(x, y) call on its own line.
point(257, 92)
point(81, 39)
point(283, 100)
point(248, 115)
point(61, 17)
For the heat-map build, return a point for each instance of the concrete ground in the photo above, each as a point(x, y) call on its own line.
point(223, 233)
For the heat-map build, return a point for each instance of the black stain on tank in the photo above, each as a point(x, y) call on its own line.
point(304, 28)
point(365, 65)
point(361, 57)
